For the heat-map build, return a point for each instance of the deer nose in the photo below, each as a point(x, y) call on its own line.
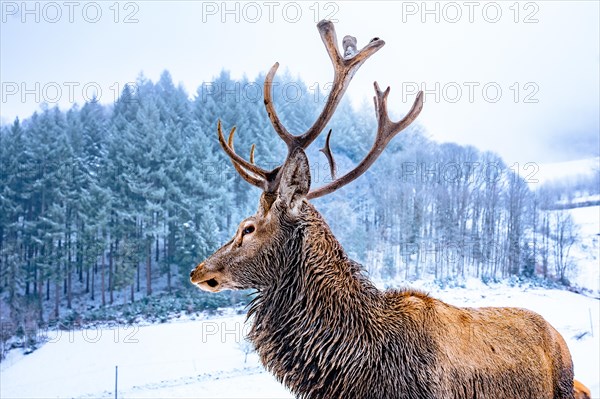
point(200, 266)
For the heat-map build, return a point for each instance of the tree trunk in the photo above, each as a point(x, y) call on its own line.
point(94, 278)
point(167, 260)
point(111, 271)
point(35, 279)
point(69, 271)
point(102, 279)
point(149, 269)
point(137, 275)
point(87, 280)
point(40, 293)
point(157, 249)
point(56, 299)
point(69, 284)
point(27, 276)
point(12, 289)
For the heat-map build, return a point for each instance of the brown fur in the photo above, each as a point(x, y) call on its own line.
point(322, 328)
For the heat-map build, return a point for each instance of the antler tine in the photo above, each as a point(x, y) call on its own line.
point(255, 181)
point(386, 130)
point(250, 178)
point(329, 155)
point(252, 148)
point(249, 172)
point(344, 68)
point(286, 136)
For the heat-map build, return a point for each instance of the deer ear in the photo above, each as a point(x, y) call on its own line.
point(295, 179)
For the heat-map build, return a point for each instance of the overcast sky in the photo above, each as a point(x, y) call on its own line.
point(521, 79)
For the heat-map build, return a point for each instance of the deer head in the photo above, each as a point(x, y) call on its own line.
point(250, 258)
point(268, 241)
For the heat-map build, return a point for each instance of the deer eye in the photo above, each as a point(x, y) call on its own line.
point(248, 230)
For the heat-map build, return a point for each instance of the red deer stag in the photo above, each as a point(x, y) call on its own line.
point(324, 330)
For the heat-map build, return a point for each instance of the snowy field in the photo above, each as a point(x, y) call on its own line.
point(586, 250)
point(205, 357)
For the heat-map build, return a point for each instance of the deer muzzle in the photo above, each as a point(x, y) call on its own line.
point(205, 280)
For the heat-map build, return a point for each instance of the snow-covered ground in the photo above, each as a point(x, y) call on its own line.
point(586, 251)
point(204, 358)
point(189, 358)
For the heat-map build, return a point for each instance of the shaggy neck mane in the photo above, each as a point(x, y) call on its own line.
point(309, 321)
point(316, 273)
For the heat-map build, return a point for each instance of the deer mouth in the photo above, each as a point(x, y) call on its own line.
point(206, 281)
point(210, 285)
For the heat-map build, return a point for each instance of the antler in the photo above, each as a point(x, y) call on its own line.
point(329, 155)
point(253, 174)
point(344, 68)
point(386, 130)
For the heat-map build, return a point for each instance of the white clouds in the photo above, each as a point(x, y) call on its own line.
point(554, 60)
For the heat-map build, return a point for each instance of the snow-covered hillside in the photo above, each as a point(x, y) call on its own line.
point(538, 174)
point(205, 357)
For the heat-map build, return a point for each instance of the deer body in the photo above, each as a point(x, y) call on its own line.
point(324, 330)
